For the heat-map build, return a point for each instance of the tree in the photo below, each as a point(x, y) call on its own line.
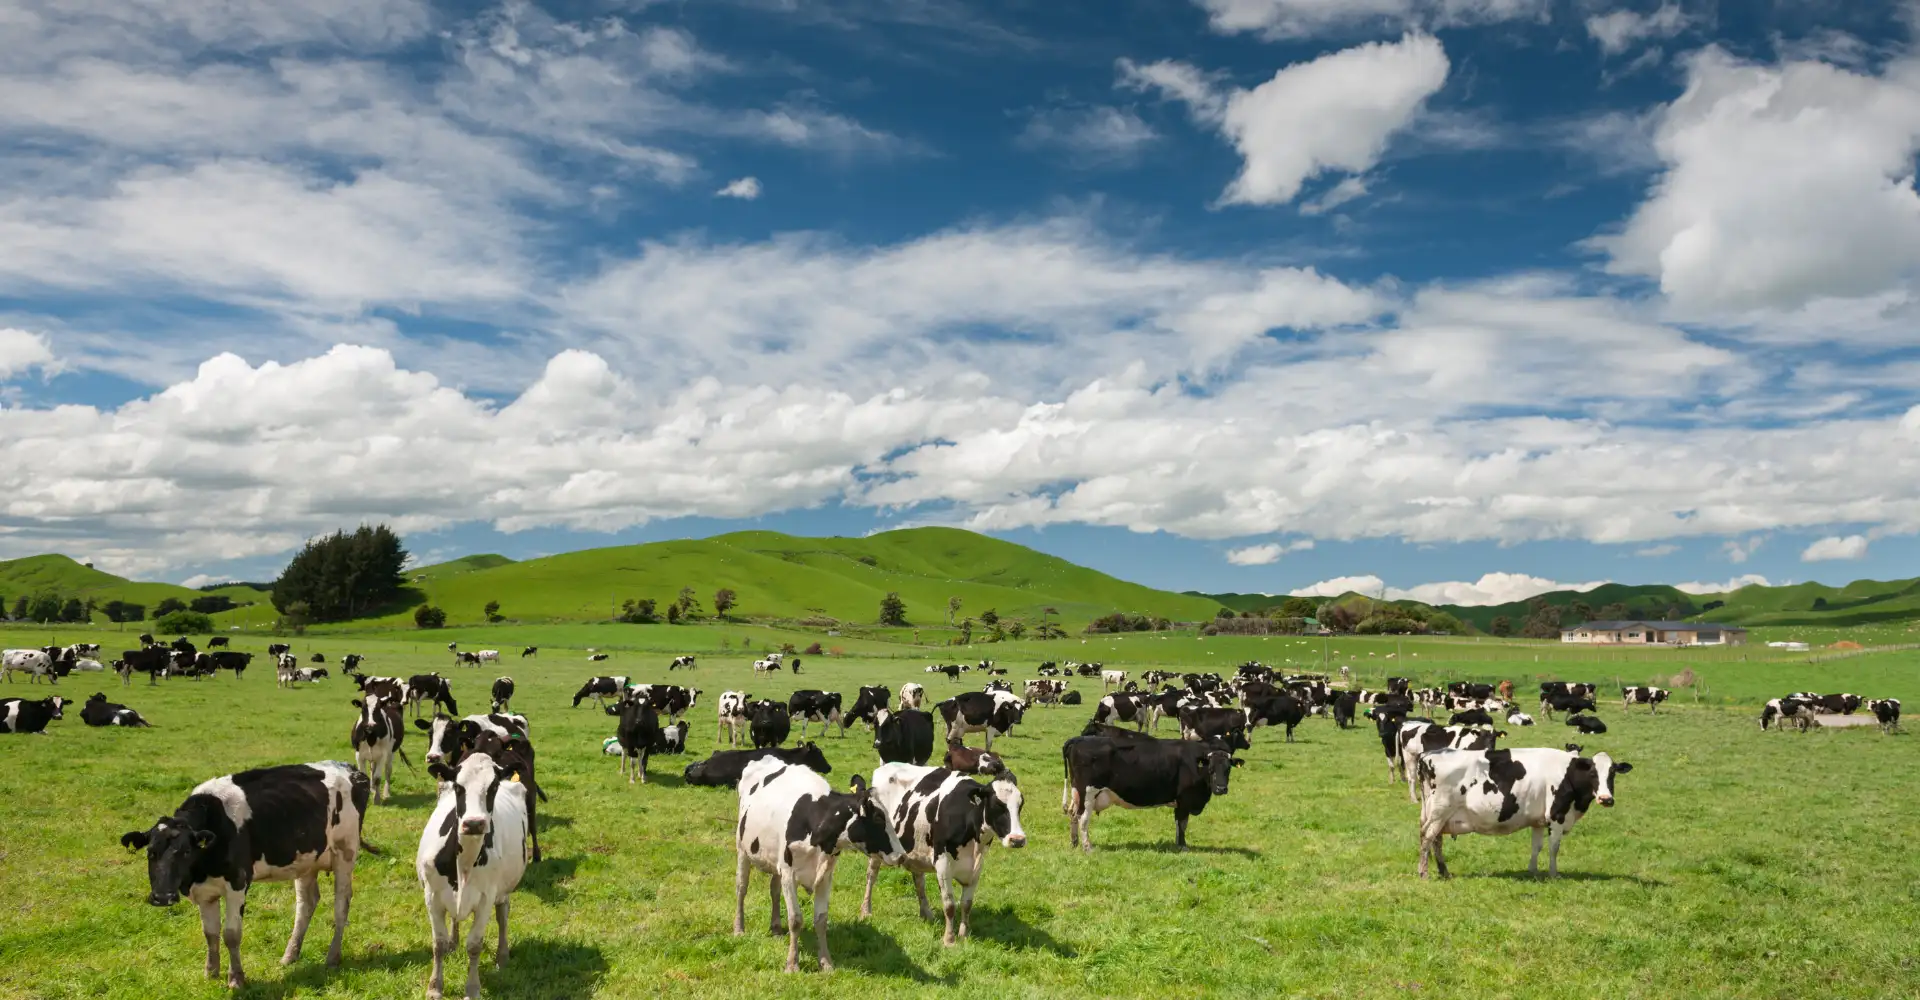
point(1018, 629)
point(428, 616)
point(342, 575)
point(168, 606)
point(212, 604)
point(641, 612)
point(184, 622)
point(20, 609)
point(673, 614)
point(122, 611)
point(688, 604)
point(966, 632)
point(723, 601)
point(1440, 621)
point(492, 612)
point(1224, 613)
point(1297, 607)
point(1582, 611)
point(989, 618)
point(1501, 626)
point(893, 610)
point(45, 607)
point(953, 608)
point(295, 619)
point(75, 610)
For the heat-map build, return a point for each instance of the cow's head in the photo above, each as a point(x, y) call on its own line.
point(811, 757)
point(1606, 771)
point(1003, 801)
point(868, 829)
point(474, 784)
point(1216, 767)
point(55, 705)
point(173, 850)
point(443, 737)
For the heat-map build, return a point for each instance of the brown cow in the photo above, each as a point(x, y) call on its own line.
point(967, 760)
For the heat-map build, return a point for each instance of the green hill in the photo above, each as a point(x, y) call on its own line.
point(32, 575)
point(1241, 602)
point(778, 576)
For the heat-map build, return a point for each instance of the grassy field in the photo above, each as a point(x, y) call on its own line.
point(1737, 864)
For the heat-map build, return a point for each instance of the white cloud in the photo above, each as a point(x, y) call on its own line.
point(1743, 580)
point(1338, 585)
point(198, 580)
point(1619, 30)
point(1739, 550)
point(1785, 188)
point(1835, 547)
point(1267, 554)
point(1333, 114)
point(1089, 135)
point(744, 188)
point(1286, 19)
point(1492, 588)
point(1656, 551)
point(21, 351)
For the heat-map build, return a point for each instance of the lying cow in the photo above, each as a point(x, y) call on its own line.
point(270, 824)
point(793, 826)
point(1497, 792)
point(18, 715)
point(471, 858)
point(98, 711)
point(724, 768)
point(945, 821)
point(1587, 724)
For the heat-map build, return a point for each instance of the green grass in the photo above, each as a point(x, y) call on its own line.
point(1738, 864)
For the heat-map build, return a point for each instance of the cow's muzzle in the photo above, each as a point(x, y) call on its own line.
point(473, 827)
point(1608, 802)
point(1016, 840)
point(163, 898)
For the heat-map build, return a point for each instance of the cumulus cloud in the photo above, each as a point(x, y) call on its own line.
point(1089, 136)
point(1287, 19)
point(1333, 114)
point(22, 351)
point(1267, 554)
point(1492, 588)
point(744, 188)
point(1743, 580)
point(1619, 30)
point(198, 580)
point(1835, 547)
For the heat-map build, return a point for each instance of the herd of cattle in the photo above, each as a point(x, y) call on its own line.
point(290, 823)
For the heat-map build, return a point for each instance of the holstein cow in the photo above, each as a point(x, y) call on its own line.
point(35, 663)
point(232, 660)
point(682, 661)
point(18, 715)
point(867, 705)
point(98, 711)
point(1569, 703)
point(502, 694)
point(793, 826)
point(310, 674)
point(502, 737)
point(639, 731)
point(472, 856)
point(600, 689)
point(1112, 678)
point(903, 737)
point(1587, 724)
point(1648, 696)
point(216, 641)
point(1500, 791)
point(912, 696)
point(1843, 704)
point(768, 723)
point(725, 767)
point(670, 700)
point(980, 712)
point(673, 739)
point(1887, 712)
point(810, 706)
point(1136, 707)
point(430, 689)
point(1416, 739)
point(273, 649)
point(1279, 710)
point(487, 656)
point(766, 665)
point(969, 760)
point(317, 658)
point(1226, 725)
point(530, 651)
point(1140, 772)
point(1785, 710)
point(271, 824)
point(732, 715)
point(1519, 719)
point(283, 669)
point(376, 741)
point(1471, 717)
point(945, 821)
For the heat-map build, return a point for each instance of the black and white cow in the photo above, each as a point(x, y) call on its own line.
point(1226, 725)
point(1843, 704)
point(731, 714)
point(600, 689)
point(1784, 710)
point(1344, 706)
point(682, 661)
point(1044, 691)
point(376, 739)
point(1471, 717)
point(1567, 688)
point(307, 675)
point(912, 696)
point(724, 768)
point(670, 700)
point(1587, 724)
point(150, 660)
point(1887, 712)
point(1137, 707)
point(35, 663)
point(1648, 696)
point(1417, 738)
point(1279, 710)
point(317, 658)
point(992, 686)
point(351, 662)
point(1498, 792)
point(638, 732)
point(673, 739)
point(1569, 703)
point(273, 648)
point(945, 821)
point(905, 736)
point(500, 736)
point(768, 723)
point(1471, 689)
point(216, 641)
point(233, 660)
point(993, 713)
point(18, 715)
point(1140, 772)
point(271, 824)
point(502, 694)
point(472, 856)
point(1519, 719)
point(810, 706)
point(98, 711)
point(430, 690)
point(867, 705)
point(530, 651)
point(793, 826)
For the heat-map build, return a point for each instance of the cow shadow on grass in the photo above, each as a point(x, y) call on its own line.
point(555, 822)
point(1169, 847)
point(1522, 875)
point(410, 800)
point(311, 975)
point(539, 968)
point(859, 945)
point(1002, 925)
point(548, 879)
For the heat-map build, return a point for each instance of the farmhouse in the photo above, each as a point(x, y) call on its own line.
point(1656, 633)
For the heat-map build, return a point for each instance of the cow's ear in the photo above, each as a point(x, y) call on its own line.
point(203, 839)
point(422, 724)
point(134, 840)
point(859, 785)
point(442, 771)
point(1622, 767)
point(1574, 748)
point(357, 703)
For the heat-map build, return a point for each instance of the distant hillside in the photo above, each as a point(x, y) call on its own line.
point(1645, 600)
point(1241, 602)
point(62, 575)
point(787, 577)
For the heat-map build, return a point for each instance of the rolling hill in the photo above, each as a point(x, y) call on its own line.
point(59, 574)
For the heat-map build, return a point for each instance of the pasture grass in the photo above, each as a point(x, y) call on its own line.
point(1737, 864)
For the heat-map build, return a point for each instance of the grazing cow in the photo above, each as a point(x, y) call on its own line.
point(1648, 696)
point(453, 647)
point(98, 711)
point(968, 760)
point(1049, 670)
point(1224, 725)
point(1567, 688)
point(35, 663)
point(216, 641)
point(1136, 707)
point(464, 659)
point(472, 856)
point(424, 689)
point(768, 723)
point(271, 824)
point(351, 662)
point(866, 706)
point(1519, 719)
point(502, 694)
point(1784, 710)
point(945, 821)
point(502, 737)
point(237, 662)
point(1498, 792)
point(1887, 712)
point(912, 696)
point(810, 706)
point(1844, 704)
point(1569, 703)
point(670, 700)
point(1112, 678)
point(376, 741)
point(1471, 717)
point(530, 651)
point(682, 661)
point(18, 715)
point(732, 715)
point(1279, 710)
point(793, 826)
point(273, 649)
point(952, 670)
point(600, 689)
point(1399, 685)
point(903, 737)
point(980, 712)
point(1417, 738)
point(724, 768)
point(487, 656)
point(1587, 724)
point(1136, 771)
point(639, 731)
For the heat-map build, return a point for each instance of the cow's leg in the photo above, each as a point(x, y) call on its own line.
point(476, 943)
point(790, 895)
point(500, 917)
point(641, 765)
point(949, 907)
point(1085, 818)
point(236, 903)
point(920, 891)
point(822, 896)
point(1180, 829)
point(873, 875)
point(533, 821)
point(442, 943)
point(210, 926)
point(306, 896)
point(989, 732)
point(741, 869)
point(966, 904)
point(343, 858)
point(775, 925)
point(1553, 850)
point(1533, 860)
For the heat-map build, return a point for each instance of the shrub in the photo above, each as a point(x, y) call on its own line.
point(813, 650)
point(184, 622)
point(787, 648)
point(428, 616)
point(893, 610)
point(492, 612)
point(168, 606)
point(212, 604)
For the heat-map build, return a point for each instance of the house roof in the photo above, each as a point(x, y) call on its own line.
point(1612, 626)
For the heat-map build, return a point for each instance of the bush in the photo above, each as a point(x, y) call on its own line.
point(492, 612)
point(641, 612)
point(212, 604)
point(183, 623)
point(893, 610)
point(428, 616)
point(787, 648)
point(169, 606)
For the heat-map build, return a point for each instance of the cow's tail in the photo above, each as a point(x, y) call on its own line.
point(401, 752)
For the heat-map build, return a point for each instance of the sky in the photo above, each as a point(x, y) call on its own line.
point(1455, 299)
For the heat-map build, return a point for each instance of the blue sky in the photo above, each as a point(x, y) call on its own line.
point(1464, 299)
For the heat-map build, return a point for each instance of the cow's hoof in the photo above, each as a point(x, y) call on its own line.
point(236, 982)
